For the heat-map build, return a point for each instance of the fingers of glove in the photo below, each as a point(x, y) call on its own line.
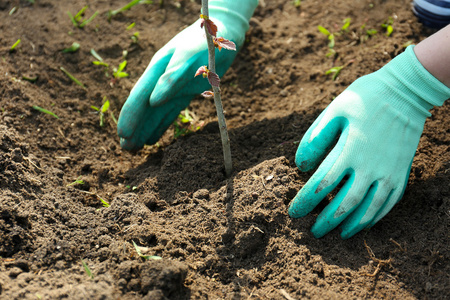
point(318, 140)
point(360, 218)
point(154, 123)
point(136, 106)
point(344, 203)
point(179, 80)
point(317, 186)
point(396, 196)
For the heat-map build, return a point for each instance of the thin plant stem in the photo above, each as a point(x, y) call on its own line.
point(217, 100)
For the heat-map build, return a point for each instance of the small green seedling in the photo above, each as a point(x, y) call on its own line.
point(135, 37)
point(186, 123)
point(297, 3)
point(14, 45)
point(146, 257)
point(102, 110)
point(118, 72)
point(346, 25)
point(78, 20)
point(43, 110)
point(73, 78)
point(387, 25)
point(87, 270)
point(335, 71)
point(128, 6)
point(74, 48)
point(131, 26)
point(331, 43)
point(78, 181)
point(331, 36)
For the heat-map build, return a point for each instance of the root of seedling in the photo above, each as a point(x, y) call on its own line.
point(380, 262)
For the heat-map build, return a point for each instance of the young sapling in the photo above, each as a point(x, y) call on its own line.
point(210, 72)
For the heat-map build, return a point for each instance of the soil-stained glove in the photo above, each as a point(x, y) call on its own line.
point(168, 84)
point(377, 121)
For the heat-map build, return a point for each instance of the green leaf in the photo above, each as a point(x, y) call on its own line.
point(122, 66)
point(95, 54)
point(14, 45)
point(72, 77)
point(88, 271)
point(100, 63)
point(323, 30)
point(43, 110)
point(105, 106)
point(75, 46)
point(146, 257)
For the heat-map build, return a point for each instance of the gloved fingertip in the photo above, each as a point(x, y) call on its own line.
point(318, 231)
point(130, 145)
point(296, 211)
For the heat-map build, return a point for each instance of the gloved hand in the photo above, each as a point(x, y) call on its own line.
point(168, 84)
point(378, 121)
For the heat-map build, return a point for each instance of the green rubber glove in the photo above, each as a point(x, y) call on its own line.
point(168, 84)
point(377, 121)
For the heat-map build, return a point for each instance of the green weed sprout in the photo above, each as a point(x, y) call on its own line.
point(14, 45)
point(87, 270)
point(186, 123)
point(387, 25)
point(102, 110)
point(77, 181)
point(72, 78)
point(146, 257)
point(135, 37)
point(126, 7)
point(43, 110)
point(297, 3)
point(335, 71)
point(78, 20)
point(331, 36)
point(118, 72)
point(74, 48)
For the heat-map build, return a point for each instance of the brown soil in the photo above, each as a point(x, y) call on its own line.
point(218, 238)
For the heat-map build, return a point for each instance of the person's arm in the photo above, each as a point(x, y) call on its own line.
point(434, 54)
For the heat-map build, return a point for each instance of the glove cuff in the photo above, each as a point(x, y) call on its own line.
point(416, 86)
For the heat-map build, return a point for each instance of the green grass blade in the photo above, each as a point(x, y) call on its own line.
point(74, 48)
point(88, 271)
point(72, 77)
point(15, 45)
point(43, 110)
point(80, 13)
point(95, 54)
point(74, 22)
point(85, 22)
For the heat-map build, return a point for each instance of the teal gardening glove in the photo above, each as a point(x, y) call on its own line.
point(168, 84)
point(378, 121)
